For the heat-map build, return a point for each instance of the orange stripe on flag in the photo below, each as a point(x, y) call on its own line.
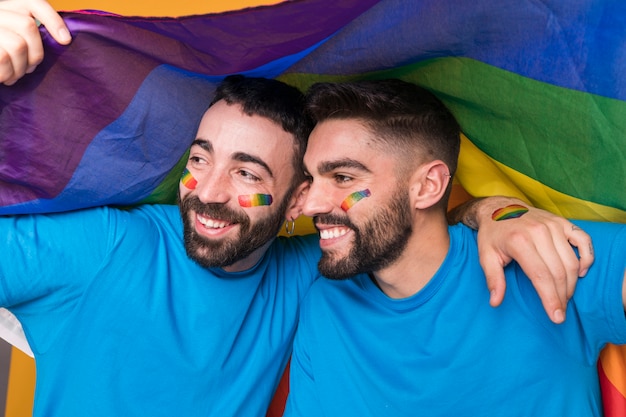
point(611, 370)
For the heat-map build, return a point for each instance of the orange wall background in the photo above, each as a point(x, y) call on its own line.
point(158, 7)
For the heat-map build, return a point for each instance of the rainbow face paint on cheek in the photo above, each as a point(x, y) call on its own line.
point(509, 212)
point(354, 198)
point(255, 200)
point(188, 180)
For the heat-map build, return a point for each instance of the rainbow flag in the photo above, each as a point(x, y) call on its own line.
point(538, 88)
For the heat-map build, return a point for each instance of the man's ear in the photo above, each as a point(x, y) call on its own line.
point(296, 202)
point(429, 184)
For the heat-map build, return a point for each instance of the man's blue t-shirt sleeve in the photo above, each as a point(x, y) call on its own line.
point(47, 261)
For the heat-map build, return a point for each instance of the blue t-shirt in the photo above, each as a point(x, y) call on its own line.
point(123, 323)
point(446, 352)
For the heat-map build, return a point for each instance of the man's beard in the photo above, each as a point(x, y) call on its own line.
point(223, 252)
point(377, 243)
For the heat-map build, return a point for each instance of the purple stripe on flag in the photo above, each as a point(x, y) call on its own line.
point(49, 118)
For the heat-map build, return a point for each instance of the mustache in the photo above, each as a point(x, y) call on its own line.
point(214, 210)
point(333, 219)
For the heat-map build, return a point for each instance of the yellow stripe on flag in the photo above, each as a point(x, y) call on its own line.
point(482, 176)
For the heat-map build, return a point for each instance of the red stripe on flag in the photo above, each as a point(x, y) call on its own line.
point(614, 402)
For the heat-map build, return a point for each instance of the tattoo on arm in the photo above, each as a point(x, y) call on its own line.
point(466, 213)
point(512, 211)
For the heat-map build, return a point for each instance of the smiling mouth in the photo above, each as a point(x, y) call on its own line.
point(211, 223)
point(333, 232)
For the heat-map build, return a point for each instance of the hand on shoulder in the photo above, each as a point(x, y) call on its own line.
point(539, 241)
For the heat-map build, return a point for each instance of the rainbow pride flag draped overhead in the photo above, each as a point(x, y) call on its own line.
point(539, 88)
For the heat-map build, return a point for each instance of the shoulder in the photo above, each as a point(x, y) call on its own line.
point(608, 240)
point(602, 230)
point(598, 297)
point(167, 212)
point(326, 292)
point(462, 232)
point(141, 224)
point(298, 248)
point(463, 247)
point(151, 215)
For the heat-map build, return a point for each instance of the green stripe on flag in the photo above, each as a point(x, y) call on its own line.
point(571, 141)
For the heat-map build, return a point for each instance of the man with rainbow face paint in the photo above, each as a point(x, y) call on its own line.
point(400, 328)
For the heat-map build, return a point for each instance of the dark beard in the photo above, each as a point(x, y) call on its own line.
point(377, 243)
point(224, 252)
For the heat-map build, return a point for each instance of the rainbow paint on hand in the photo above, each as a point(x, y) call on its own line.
point(512, 211)
point(354, 198)
point(255, 200)
point(188, 180)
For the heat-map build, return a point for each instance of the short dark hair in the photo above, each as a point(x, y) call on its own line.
point(409, 119)
point(279, 102)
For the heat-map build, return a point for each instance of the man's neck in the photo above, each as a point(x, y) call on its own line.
point(424, 254)
point(250, 260)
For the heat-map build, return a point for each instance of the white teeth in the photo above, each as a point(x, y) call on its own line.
point(333, 233)
point(212, 224)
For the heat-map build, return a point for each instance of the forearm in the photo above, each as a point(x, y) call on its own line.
point(465, 213)
point(473, 212)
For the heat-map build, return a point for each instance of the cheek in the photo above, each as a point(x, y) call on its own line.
point(188, 181)
point(354, 198)
point(183, 191)
point(255, 200)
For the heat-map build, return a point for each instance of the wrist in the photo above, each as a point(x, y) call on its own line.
point(466, 213)
point(479, 210)
point(499, 208)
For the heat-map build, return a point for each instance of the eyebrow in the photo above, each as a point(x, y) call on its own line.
point(329, 166)
point(245, 157)
point(238, 156)
point(204, 144)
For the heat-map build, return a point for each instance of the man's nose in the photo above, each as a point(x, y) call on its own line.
point(213, 188)
point(317, 201)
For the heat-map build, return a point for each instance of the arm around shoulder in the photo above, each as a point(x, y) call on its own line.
point(540, 242)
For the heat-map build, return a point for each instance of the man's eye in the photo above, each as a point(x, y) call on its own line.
point(249, 176)
point(342, 179)
point(196, 160)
